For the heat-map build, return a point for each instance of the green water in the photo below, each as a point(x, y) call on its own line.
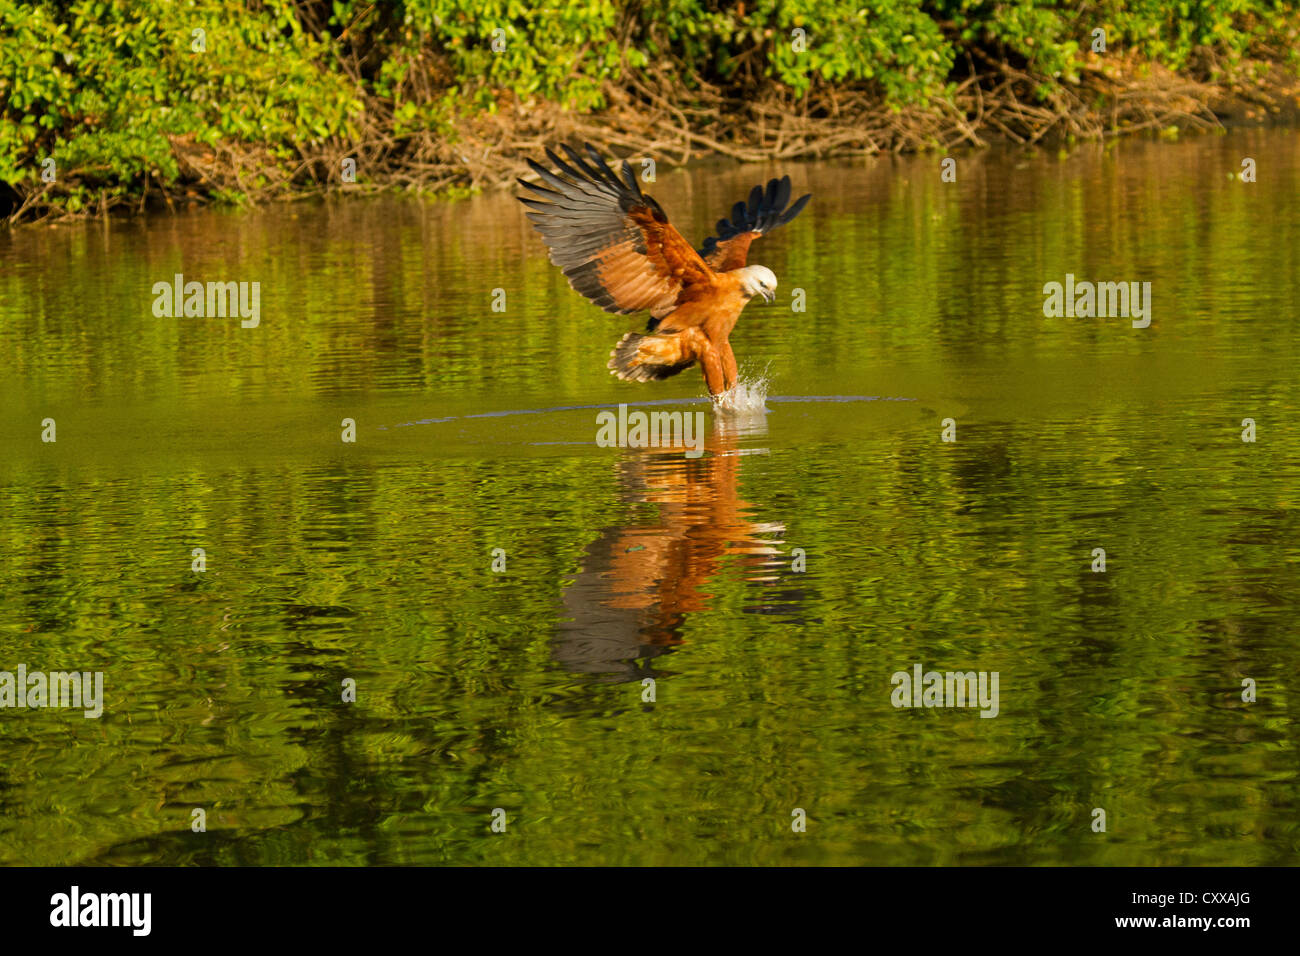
point(523, 690)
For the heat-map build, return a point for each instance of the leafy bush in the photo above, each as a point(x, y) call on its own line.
point(104, 88)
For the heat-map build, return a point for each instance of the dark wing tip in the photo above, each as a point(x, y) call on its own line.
point(629, 178)
point(592, 169)
point(782, 195)
point(764, 210)
point(794, 210)
point(536, 187)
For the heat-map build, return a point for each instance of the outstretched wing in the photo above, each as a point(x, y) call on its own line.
point(763, 213)
point(613, 241)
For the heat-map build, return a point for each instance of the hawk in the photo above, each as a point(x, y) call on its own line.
point(617, 247)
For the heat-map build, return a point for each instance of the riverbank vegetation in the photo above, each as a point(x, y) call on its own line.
point(107, 106)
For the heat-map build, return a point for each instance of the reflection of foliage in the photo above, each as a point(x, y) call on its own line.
point(118, 97)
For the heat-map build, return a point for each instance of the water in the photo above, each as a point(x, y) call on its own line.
point(524, 690)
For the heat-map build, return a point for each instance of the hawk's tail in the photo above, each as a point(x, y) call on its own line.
point(642, 358)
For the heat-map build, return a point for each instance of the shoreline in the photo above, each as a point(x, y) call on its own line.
point(487, 150)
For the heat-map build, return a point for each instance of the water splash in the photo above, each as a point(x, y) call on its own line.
point(747, 398)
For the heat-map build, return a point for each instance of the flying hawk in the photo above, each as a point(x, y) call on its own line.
point(618, 248)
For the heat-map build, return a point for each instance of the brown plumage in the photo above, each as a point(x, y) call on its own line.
point(617, 247)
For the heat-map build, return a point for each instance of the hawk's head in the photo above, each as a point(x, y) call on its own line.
point(758, 280)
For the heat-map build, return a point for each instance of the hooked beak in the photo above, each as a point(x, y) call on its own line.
point(768, 295)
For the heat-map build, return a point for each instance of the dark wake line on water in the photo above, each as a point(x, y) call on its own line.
point(777, 399)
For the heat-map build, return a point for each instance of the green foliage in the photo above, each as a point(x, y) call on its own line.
point(104, 88)
point(1051, 37)
point(891, 41)
point(108, 90)
point(566, 52)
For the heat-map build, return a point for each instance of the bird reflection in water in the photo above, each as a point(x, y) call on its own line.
point(643, 577)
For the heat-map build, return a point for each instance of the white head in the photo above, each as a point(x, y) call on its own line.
point(758, 280)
